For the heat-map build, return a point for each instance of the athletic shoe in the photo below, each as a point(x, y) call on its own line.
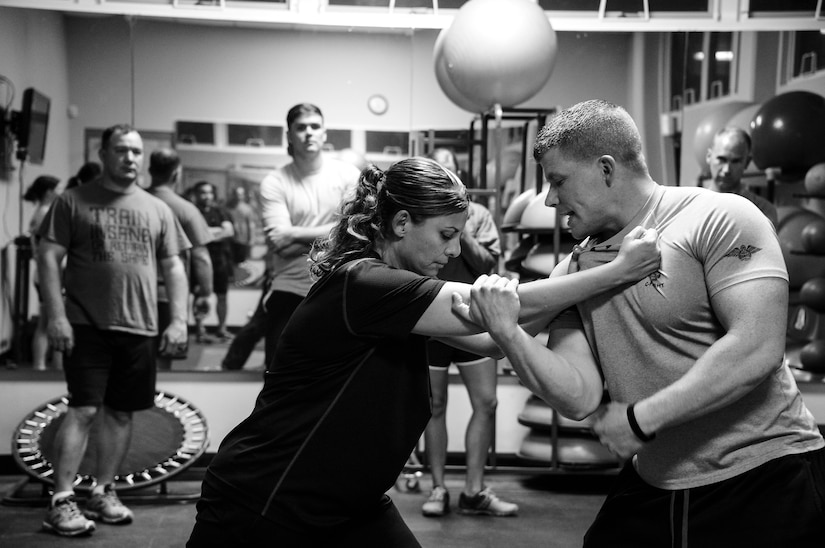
point(438, 504)
point(64, 518)
point(107, 508)
point(224, 336)
point(204, 338)
point(485, 502)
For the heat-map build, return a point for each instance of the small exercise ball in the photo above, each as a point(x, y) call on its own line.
point(801, 266)
point(813, 237)
point(499, 51)
point(709, 125)
point(537, 215)
point(789, 132)
point(812, 294)
point(812, 356)
point(815, 180)
point(444, 81)
point(516, 208)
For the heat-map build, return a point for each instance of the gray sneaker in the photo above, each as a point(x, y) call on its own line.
point(106, 507)
point(486, 502)
point(64, 518)
point(438, 504)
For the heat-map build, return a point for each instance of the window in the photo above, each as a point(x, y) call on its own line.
point(774, 7)
point(808, 52)
point(195, 133)
point(626, 6)
point(255, 136)
point(720, 64)
point(703, 66)
point(388, 142)
point(339, 139)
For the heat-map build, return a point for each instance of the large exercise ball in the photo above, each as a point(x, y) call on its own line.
point(512, 216)
point(789, 133)
point(443, 79)
point(499, 51)
point(815, 180)
point(712, 122)
point(801, 266)
point(538, 216)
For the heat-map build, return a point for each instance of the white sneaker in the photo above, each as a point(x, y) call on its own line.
point(438, 504)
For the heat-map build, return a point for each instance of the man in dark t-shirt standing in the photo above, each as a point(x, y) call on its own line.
point(220, 251)
point(165, 169)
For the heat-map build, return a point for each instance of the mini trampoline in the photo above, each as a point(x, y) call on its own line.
point(166, 439)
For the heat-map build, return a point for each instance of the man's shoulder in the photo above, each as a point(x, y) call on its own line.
point(147, 199)
point(345, 169)
point(760, 201)
point(277, 176)
point(180, 206)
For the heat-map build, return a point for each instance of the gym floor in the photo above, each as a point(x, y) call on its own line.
point(555, 511)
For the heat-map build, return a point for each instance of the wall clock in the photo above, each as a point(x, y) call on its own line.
point(377, 104)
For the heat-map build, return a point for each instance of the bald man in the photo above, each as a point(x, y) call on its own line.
point(728, 157)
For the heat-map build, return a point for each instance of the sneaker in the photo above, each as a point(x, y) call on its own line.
point(438, 504)
point(65, 518)
point(224, 336)
point(107, 508)
point(204, 338)
point(487, 503)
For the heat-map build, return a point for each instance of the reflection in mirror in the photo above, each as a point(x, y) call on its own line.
point(220, 94)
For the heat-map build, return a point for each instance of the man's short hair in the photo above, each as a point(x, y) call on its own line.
point(743, 135)
point(591, 129)
point(299, 110)
point(197, 186)
point(162, 165)
point(123, 129)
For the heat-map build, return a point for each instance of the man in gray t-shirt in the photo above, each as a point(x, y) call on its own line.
point(115, 237)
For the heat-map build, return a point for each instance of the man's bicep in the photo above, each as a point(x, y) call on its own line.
point(51, 250)
point(571, 343)
point(274, 210)
point(757, 310)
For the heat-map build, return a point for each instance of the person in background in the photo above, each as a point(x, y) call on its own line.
point(165, 171)
point(220, 252)
point(298, 203)
point(245, 222)
point(115, 238)
point(480, 251)
point(728, 157)
point(41, 193)
point(255, 328)
point(348, 388)
point(87, 172)
point(702, 404)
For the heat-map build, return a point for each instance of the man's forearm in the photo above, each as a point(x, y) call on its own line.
point(50, 275)
point(308, 234)
point(177, 287)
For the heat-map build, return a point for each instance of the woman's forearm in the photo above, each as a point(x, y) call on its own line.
point(549, 296)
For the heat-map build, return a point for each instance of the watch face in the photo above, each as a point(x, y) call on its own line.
point(377, 104)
